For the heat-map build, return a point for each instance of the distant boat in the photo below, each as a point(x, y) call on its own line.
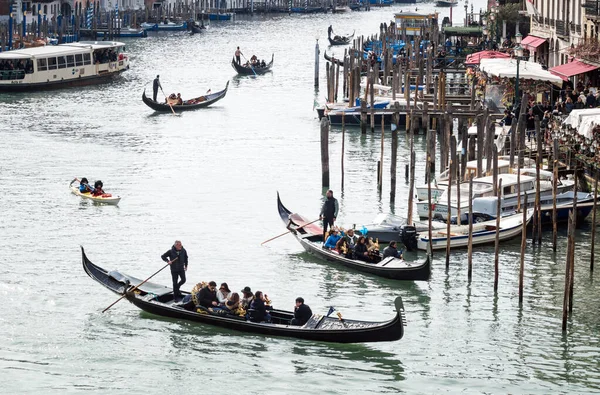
point(226, 16)
point(168, 26)
point(125, 32)
point(341, 40)
point(252, 70)
point(446, 3)
point(192, 104)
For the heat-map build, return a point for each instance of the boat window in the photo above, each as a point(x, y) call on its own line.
point(79, 59)
point(507, 190)
point(42, 65)
point(70, 61)
point(52, 64)
point(87, 59)
point(62, 62)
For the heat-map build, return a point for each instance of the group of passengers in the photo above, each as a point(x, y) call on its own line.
point(105, 56)
point(18, 65)
point(255, 307)
point(84, 187)
point(255, 62)
point(360, 247)
point(174, 99)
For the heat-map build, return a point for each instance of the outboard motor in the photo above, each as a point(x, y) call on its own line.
point(408, 237)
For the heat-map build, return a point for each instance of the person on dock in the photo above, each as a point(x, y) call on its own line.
point(392, 250)
point(178, 267)
point(155, 86)
point(329, 212)
point(302, 313)
point(238, 53)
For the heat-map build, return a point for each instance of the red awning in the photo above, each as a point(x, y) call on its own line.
point(570, 69)
point(532, 42)
point(475, 58)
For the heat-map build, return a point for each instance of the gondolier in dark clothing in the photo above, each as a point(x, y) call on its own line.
point(155, 87)
point(329, 212)
point(302, 313)
point(177, 257)
point(329, 31)
point(238, 53)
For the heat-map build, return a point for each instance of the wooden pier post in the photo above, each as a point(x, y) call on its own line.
point(429, 211)
point(470, 247)
point(343, 143)
point(394, 154)
point(570, 233)
point(497, 240)
point(372, 97)
point(538, 204)
point(452, 165)
point(363, 116)
point(554, 193)
point(317, 52)
point(325, 152)
point(411, 187)
point(380, 174)
point(480, 150)
point(572, 251)
point(594, 220)
point(523, 245)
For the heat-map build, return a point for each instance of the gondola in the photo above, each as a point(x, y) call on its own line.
point(253, 70)
point(195, 29)
point(158, 299)
point(192, 104)
point(311, 239)
point(341, 40)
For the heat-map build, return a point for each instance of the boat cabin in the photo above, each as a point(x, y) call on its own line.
point(413, 22)
point(484, 187)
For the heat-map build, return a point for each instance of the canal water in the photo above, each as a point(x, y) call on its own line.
point(210, 178)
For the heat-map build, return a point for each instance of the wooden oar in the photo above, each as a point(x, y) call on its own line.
point(251, 68)
point(140, 284)
point(167, 100)
point(283, 234)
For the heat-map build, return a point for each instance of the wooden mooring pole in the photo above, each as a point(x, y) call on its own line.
point(325, 152)
point(594, 221)
point(343, 143)
point(497, 240)
point(523, 245)
point(470, 247)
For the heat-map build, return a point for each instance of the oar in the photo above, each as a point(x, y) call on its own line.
point(140, 284)
point(252, 68)
point(283, 234)
point(167, 100)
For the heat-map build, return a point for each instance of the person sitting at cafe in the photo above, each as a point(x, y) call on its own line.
point(392, 250)
point(302, 313)
point(332, 240)
point(207, 297)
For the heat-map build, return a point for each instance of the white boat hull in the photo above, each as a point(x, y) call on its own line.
point(114, 200)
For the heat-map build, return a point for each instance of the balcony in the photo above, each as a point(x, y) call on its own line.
point(562, 29)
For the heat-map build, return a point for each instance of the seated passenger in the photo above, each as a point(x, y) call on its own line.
point(263, 64)
point(207, 297)
point(179, 101)
point(233, 303)
point(342, 247)
point(361, 252)
point(391, 250)
point(302, 313)
point(253, 59)
point(98, 188)
point(332, 240)
point(84, 186)
point(247, 297)
point(351, 239)
point(223, 293)
point(258, 309)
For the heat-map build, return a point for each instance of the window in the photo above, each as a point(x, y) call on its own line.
point(87, 59)
point(52, 64)
point(45, 9)
point(42, 65)
point(79, 59)
point(70, 61)
point(62, 62)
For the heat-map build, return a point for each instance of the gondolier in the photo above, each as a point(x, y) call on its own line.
point(237, 55)
point(155, 87)
point(178, 259)
point(329, 212)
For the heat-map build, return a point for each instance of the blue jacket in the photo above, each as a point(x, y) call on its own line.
point(83, 188)
point(332, 241)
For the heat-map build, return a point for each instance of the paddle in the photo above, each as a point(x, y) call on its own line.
point(283, 234)
point(252, 68)
point(167, 100)
point(140, 284)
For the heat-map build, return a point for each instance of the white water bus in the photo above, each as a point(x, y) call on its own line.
point(59, 66)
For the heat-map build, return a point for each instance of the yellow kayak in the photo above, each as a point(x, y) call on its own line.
point(98, 199)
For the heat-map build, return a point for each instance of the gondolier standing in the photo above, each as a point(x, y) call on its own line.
point(178, 259)
point(155, 87)
point(329, 212)
point(329, 31)
point(237, 55)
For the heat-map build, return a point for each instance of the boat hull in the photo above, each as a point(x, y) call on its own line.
point(61, 84)
point(242, 70)
point(162, 107)
point(114, 200)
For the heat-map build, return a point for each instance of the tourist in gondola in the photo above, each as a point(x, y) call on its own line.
point(179, 100)
point(329, 212)
point(247, 297)
point(207, 297)
point(155, 86)
point(258, 309)
point(351, 239)
point(302, 313)
point(223, 293)
point(98, 191)
point(361, 252)
point(392, 250)
point(177, 257)
point(84, 186)
point(262, 63)
point(343, 249)
point(332, 240)
point(238, 53)
point(253, 60)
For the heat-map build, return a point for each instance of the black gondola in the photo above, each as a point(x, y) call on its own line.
point(311, 239)
point(158, 299)
point(192, 104)
point(341, 40)
point(252, 70)
point(195, 29)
